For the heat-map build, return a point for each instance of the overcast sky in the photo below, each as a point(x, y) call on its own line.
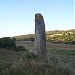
point(17, 16)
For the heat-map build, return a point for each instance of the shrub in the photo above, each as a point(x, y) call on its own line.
point(73, 43)
point(30, 55)
point(27, 55)
point(8, 43)
point(20, 48)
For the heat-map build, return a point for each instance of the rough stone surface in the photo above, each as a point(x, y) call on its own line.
point(40, 36)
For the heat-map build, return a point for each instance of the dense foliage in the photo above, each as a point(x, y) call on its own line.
point(8, 43)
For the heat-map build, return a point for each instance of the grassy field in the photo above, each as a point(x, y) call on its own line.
point(30, 45)
point(59, 56)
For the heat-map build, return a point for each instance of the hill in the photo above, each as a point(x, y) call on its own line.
point(52, 36)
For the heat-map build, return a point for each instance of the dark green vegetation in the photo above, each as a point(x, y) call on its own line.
point(8, 43)
point(57, 36)
point(60, 60)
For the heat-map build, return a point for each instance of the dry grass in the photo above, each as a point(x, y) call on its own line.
point(27, 44)
point(30, 45)
point(61, 61)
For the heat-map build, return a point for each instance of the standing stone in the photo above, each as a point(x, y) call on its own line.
point(40, 36)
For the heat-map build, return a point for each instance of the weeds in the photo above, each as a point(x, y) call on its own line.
point(33, 67)
point(59, 62)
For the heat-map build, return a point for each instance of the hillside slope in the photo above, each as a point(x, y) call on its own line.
point(52, 36)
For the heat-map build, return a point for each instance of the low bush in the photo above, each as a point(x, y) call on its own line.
point(30, 55)
point(20, 48)
point(73, 43)
point(8, 43)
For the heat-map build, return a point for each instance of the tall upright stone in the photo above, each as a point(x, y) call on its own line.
point(40, 36)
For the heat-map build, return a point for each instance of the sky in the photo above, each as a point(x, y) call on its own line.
point(17, 16)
